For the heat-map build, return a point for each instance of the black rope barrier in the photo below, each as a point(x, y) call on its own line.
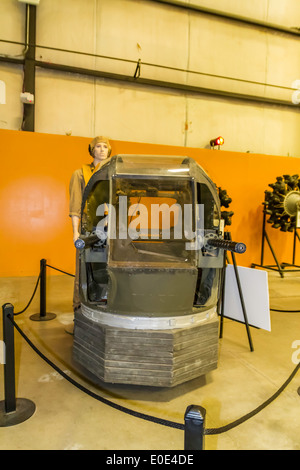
point(35, 289)
point(207, 431)
point(164, 422)
point(60, 270)
point(284, 311)
point(92, 394)
point(256, 410)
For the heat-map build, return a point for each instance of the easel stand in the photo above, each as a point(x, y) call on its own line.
point(227, 236)
point(276, 267)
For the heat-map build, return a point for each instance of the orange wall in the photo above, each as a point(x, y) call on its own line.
point(35, 173)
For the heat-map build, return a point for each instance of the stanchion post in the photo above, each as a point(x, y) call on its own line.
point(12, 411)
point(9, 358)
point(43, 315)
point(43, 288)
point(194, 419)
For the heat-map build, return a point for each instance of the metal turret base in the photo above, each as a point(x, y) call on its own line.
point(161, 358)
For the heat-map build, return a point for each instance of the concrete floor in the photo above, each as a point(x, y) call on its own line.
point(68, 419)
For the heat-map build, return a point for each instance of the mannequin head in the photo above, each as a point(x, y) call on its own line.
point(97, 147)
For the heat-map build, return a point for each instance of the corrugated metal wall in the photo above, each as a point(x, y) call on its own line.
point(194, 68)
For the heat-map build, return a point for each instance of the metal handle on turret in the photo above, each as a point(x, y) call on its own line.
point(84, 242)
point(236, 247)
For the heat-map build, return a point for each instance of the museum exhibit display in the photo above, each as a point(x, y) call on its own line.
point(151, 255)
point(281, 209)
point(283, 203)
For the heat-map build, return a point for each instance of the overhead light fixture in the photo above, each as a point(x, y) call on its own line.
point(217, 142)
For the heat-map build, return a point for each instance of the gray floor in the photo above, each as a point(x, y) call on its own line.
point(68, 419)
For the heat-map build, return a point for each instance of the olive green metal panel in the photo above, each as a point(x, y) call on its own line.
point(152, 292)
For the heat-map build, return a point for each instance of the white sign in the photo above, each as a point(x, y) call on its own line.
point(2, 92)
point(255, 290)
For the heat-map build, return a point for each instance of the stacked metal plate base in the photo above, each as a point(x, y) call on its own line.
point(161, 357)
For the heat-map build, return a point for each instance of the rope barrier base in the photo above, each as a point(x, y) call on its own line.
point(24, 410)
point(38, 317)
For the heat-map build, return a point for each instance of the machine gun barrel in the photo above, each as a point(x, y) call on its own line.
point(84, 242)
point(237, 247)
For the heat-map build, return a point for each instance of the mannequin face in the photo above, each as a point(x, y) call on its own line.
point(100, 151)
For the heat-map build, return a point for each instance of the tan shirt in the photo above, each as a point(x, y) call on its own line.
point(76, 189)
